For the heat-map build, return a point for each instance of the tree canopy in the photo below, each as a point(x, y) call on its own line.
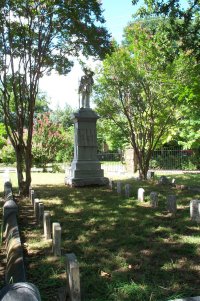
point(183, 18)
point(35, 38)
point(141, 87)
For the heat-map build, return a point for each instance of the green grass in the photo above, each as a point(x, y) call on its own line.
point(126, 250)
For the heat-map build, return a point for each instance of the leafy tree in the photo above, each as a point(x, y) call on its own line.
point(36, 37)
point(8, 154)
point(63, 116)
point(187, 130)
point(183, 18)
point(136, 90)
point(3, 135)
point(41, 104)
point(109, 134)
point(48, 139)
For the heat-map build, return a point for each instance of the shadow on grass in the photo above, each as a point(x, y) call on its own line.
point(126, 250)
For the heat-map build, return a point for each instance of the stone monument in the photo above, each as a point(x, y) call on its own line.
point(85, 168)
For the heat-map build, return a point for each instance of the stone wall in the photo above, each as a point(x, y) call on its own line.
point(130, 160)
point(15, 276)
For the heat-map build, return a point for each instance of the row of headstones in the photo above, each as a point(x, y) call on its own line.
point(54, 232)
point(170, 200)
point(15, 268)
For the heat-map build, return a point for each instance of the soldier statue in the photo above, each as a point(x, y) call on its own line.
point(85, 88)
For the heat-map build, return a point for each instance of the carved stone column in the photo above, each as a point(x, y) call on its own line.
point(85, 168)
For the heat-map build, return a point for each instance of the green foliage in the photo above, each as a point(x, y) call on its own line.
point(36, 38)
point(183, 21)
point(125, 265)
point(41, 104)
point(3, 135)
point(65, 154)
point(63, 116)
point(108, 134)
point(8, 154)
point(136, 90)
point(49, 141)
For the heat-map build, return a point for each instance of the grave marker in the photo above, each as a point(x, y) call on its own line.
point(73, 277)
point(47, 225)
point(150, 175)
point(154, 199)
point(56, 239)
point(119, 187)
point(194, 210)
point(32, 196)
point(171, 204)
point(36, 208)
point(40, 213)
point(111, 184)
point(141, 194)
point(127, 190)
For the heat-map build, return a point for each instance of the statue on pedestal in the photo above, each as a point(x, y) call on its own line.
point(85, 88)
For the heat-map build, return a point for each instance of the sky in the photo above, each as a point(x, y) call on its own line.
point(62, 90)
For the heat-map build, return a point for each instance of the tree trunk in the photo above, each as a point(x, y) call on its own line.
point(20, 168)
point(28, 164)
point(143, 167)
point(23, 158)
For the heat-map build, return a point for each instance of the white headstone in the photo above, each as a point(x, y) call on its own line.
point(47, 225)
point(56, 239)
point(73, 277)
point(173, 181)
point(111, 184)
point(36, 208)
point(150, 175)
point(194, 210)
point(141, 194)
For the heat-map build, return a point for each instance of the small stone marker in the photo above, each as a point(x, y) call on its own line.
point(119, 187)
point(163, 180)
point(141, 194)
point(111, 184)
point(73, 277)
point(173, 181)
point(41, 213)
point(47, 225)
point(154, 199)
point(30, 188)
point(32, 196)
point(36, 208)
point(127, 190)
point(150, 175)
point(56, 239)
point(171, 204)
point(194, 210)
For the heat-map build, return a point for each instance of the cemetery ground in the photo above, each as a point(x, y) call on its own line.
point(126, 249)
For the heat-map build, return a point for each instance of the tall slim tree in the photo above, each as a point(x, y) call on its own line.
point(36, 37)
point(136, 89)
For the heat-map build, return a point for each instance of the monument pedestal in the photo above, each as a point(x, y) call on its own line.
point(85, 168)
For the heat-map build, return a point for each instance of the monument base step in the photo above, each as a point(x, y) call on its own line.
point(81, 182)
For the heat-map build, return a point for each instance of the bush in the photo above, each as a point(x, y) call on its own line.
point(8, 154)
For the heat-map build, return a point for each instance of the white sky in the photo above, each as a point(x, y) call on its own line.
point(62, 90)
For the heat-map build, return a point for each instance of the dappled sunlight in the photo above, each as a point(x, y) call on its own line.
point(124, 246)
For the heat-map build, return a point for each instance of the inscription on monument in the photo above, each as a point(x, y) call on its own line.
point(87, 137)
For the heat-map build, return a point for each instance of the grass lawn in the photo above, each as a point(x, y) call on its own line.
point(126, 249)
